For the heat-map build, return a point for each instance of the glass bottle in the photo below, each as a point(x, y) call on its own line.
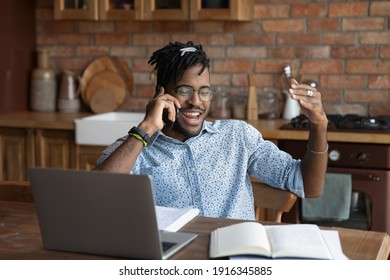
point(291, 106)
point(43, 85)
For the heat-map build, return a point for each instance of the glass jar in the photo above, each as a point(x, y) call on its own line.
point(268, 103)
point(220, 107)
point(68, 99)
point(239, 104)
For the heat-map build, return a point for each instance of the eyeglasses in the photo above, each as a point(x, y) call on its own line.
point(186, 92)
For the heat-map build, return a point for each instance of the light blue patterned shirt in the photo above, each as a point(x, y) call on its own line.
point(211, 171)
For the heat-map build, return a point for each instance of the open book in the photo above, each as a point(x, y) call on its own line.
point(279, 241)
point(172, 219)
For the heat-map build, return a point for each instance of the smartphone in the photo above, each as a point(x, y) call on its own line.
point(168, 122)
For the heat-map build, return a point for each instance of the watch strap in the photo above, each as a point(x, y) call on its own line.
point(137, 131)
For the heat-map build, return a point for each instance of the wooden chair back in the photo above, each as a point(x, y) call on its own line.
point(19, 191)
point(271, 203)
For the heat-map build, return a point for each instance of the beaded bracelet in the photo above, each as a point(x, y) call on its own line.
point(137, 136)
point(318, 153)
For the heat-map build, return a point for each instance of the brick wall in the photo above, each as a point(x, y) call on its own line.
point(342, 45)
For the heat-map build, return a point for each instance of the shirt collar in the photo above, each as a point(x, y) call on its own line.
point(206, 127)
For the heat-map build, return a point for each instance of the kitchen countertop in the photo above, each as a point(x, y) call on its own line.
point(51, 120)
point(268, 128)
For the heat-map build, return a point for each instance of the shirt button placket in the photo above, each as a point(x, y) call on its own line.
point(195, 189)
point(194, 182)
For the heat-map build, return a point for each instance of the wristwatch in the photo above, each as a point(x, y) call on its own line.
point(140, 132)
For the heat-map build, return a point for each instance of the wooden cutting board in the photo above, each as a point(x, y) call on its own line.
point(103, 101)
point(106, 63)
point(109, 82)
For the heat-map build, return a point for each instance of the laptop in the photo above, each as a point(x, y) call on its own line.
point(103, 213)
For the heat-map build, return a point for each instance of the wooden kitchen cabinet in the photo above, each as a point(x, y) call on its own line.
point(76, 9)
point(167, 10)
point(21, 148)
point(153, 10)
point(229, 10)
point(87, 156)
point(16, 153)
point(29, 139)
point(198, 10)
point(55, 148)
point(121, 9)
point(98, 9)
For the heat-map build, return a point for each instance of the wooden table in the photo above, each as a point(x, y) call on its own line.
point(20, 238)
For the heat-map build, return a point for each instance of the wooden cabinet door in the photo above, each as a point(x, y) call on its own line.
point(87, 156)
point(234, 10)
point(55, 148)
point(151, 10)
point(121, 9)
point(16, 153)
point(166, 9)
point(76, 9)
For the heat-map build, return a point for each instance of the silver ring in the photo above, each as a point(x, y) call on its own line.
point(310, 93)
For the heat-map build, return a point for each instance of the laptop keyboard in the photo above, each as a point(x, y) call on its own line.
point(167, 245)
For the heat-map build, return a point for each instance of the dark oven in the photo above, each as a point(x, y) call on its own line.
point(368, 164)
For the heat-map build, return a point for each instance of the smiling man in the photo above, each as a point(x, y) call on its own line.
point(194, 162)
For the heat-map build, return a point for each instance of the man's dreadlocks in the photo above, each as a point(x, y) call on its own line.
point(174, 59)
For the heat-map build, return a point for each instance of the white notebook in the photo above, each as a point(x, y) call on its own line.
point(279, 241)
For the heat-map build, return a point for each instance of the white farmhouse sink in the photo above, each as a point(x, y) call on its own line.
point(104, 129)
